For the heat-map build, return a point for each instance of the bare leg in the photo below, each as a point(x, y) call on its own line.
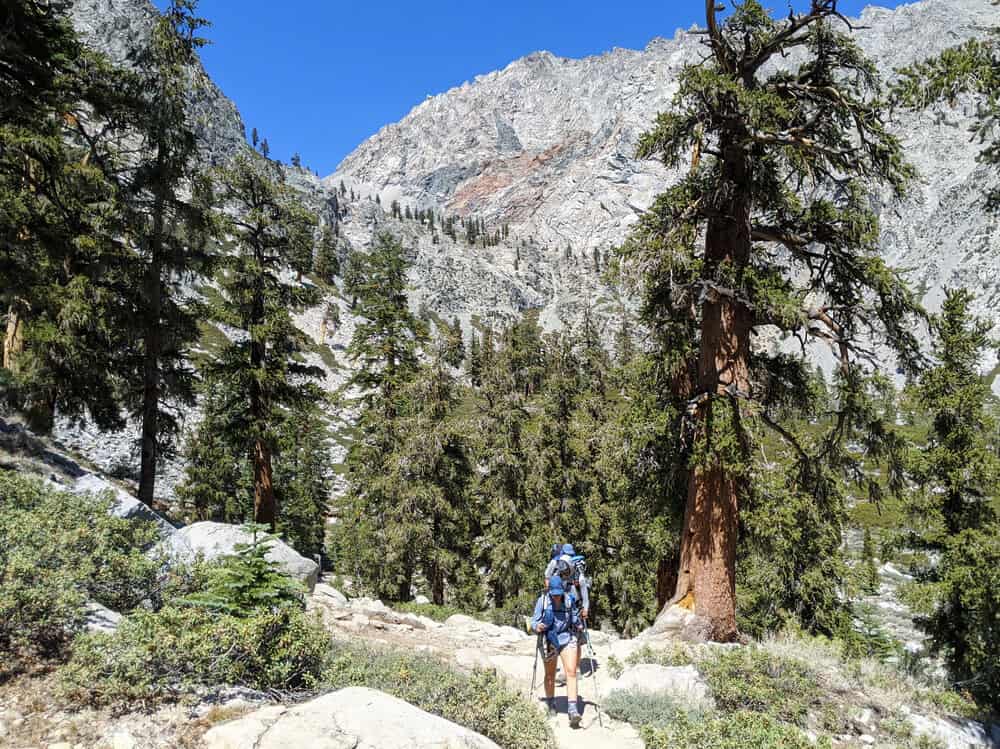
point(569, 660)
point(550, 678)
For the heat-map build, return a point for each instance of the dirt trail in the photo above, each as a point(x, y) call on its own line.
point(469, 642)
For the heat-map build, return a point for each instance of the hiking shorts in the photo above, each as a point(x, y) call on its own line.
point(551, 651)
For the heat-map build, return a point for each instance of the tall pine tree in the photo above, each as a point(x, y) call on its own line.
point(770, 226)
point(260, 378)
point(168, 229)
point(954, 516)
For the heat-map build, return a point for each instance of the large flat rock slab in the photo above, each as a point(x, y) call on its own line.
point(352, 718)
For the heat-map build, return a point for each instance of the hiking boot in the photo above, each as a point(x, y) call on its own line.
point(550, 708)
point(574, 717)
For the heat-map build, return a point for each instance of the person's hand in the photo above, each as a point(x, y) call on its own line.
point(540, 628)
point(583, 613)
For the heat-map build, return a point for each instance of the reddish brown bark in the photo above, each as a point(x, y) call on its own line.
point(707, 573)
point(264, 510)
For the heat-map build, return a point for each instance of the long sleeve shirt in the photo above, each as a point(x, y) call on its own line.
point(561, 623)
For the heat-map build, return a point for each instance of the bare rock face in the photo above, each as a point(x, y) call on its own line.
point(119, 28)
point(543, 151)
point(353, 718)
point(547, 145)
point(214, 540)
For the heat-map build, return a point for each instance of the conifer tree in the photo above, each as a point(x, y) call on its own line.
point(869, 570)
point(302, 478)
point(327, 263)
point(168, 229)
point(454, 343)
point(473, 364)
point(954, 516)
point(217, 481)
point(63, 264)
point(384, 348)
point(354, 274)
point(512, 520)
point(260, 378)
point(555, 476)
point(782, 159)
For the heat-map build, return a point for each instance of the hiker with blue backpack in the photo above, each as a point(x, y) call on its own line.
point(569, 566)
point(558, 623)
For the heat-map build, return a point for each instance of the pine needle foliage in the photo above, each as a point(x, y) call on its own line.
point(970, 68)
point(247, 582)
point(770, 225)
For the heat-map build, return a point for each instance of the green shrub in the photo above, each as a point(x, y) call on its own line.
point(247, 581)
point(57, 550)
point(480, 701)
point(751, 679)
point(161, 655)
point(867, 638)
point(430, 610)
point(739, 730)
point(678, 654)
point(952, 703)
point(641, 708)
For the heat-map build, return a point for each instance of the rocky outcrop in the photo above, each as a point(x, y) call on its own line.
point(547, 145)
point(25, 452)
point(101, 618)
point(353, 718)
point(208, 540)
point(120, 28)
point(683, 683)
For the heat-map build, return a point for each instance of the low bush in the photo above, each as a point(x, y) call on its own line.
point(480, 701)
point(163, 655)
point(245, 626)
point(430, 610)
point(678, 654)
point(642, 708)
point(740, 730)
point(59, 550)
point(751, 679)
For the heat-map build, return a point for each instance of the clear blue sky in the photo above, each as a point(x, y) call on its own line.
point(320, 76)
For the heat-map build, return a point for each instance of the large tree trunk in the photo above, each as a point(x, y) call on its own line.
point(153, 345)
point(151, 385)
point(437, 585)
point(264, 509)
point(706, 580)
point(13, 342)
point(666, 579)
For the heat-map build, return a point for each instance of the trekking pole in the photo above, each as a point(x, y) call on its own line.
point(593, 672)
point(534, 670)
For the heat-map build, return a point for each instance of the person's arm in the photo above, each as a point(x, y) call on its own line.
point(584, 596)
point(550, 568)
point(536, 618)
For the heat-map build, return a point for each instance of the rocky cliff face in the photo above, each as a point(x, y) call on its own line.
point(546, 146)
point(120, 28)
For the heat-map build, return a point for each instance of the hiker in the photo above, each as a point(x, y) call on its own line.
point(564, 562)
point(558, 623)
